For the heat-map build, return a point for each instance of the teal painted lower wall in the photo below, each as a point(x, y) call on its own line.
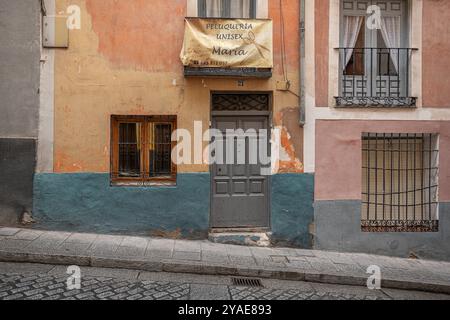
point(86, 202)
point(292, 209)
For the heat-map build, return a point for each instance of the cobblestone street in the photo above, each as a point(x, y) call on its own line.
point(45, 287)
point(45, 282)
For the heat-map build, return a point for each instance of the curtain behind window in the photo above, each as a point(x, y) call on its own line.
point(240, 9)
point(225, 8)
point(352, 27)
point(390, 29)
point(214, 8)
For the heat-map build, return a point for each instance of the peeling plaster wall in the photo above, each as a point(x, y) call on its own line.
point(125, 60)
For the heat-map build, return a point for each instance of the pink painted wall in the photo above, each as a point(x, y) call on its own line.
point(436, 46)
point(436, 49)
point(339, 156)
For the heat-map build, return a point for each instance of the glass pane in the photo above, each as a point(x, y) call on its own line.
point(214, 8)
point(355, 57)
point(386, 66)
point(160, 149)
point(129, 150)
point(228, 8)
point(240, 9)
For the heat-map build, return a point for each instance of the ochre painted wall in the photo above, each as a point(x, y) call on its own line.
point(436, 48)
point(125, 60)
point(339, 156)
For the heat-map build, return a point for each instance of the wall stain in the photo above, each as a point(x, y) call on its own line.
point(133, 34)
point(290, 160)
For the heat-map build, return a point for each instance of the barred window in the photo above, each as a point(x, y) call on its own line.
point(400, 182)
point(141, 150)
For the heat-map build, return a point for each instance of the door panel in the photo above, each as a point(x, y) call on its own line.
point(239, 191)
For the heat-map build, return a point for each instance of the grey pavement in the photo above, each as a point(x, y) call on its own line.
point(203, 257)
point(25, 281)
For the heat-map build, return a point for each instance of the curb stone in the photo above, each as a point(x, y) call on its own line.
point(195, 267)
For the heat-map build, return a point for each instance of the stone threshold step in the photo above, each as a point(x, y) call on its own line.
point(241, 237)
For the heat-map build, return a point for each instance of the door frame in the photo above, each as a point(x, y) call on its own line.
point(269, 115)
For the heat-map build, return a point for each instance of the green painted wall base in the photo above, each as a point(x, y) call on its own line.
point(292, 210)
point(87, 203)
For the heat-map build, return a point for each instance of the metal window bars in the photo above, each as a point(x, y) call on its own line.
point(160, 149)
point(375, 77)
point(400, 182)
point(129, 150)
point(142, 150)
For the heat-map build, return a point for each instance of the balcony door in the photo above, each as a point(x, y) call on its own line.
point(374, 57)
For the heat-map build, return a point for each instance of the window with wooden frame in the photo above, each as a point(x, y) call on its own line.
point(141, 150)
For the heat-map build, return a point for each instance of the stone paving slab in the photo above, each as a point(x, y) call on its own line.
point(203, 257)
point(8, 231)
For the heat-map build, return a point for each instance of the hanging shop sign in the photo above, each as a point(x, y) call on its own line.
point(227, 43)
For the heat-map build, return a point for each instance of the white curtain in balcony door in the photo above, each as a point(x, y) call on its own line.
point(390, 29)
point(240, 9)
point(352, 27)
point(214, 8)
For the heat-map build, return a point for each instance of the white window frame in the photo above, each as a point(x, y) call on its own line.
point(415, 8)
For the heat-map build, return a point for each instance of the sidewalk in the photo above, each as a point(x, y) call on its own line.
point(203, 257)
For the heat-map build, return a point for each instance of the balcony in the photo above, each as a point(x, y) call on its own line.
point(375, 77)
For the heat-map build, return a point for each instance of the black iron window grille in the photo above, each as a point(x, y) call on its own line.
point(240, 102)
point(141, 150)
point(400, 182)
point(375, 77)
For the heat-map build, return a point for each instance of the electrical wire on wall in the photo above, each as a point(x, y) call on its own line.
point(43, 8)
point(283, 44)
point(283, 52)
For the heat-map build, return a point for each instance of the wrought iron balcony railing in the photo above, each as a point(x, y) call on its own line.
point(375, 77)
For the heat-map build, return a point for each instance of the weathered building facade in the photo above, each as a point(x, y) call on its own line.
point(353, 95)
point(121, 71)
point(377, 129)
point(19, 106)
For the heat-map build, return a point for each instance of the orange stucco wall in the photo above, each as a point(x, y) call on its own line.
point(321, 32)
point(125, 60)
point(436, 48)
point(339, 155)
